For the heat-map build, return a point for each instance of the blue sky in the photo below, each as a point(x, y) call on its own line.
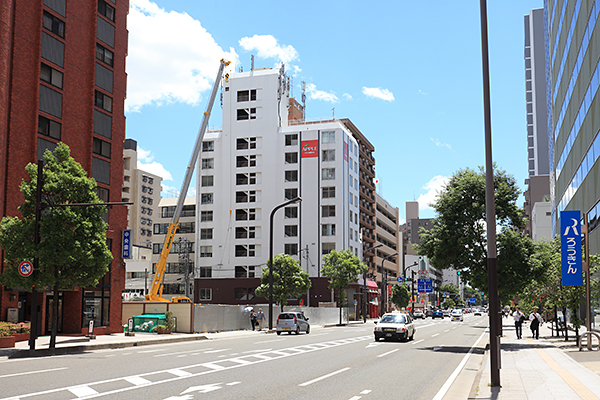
point(407, 73)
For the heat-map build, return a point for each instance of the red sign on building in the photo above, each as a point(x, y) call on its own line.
point(310, 148)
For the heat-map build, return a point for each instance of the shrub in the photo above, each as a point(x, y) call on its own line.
point(8, 328)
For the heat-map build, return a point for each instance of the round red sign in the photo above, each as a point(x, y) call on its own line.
point(25, 268)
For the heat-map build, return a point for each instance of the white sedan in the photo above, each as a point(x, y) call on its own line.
point(457, 315)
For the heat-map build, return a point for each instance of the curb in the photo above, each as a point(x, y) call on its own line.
point(26, 353)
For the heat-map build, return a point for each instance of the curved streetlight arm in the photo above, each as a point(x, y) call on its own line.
point(270, 261)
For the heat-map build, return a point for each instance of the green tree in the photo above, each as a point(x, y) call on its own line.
point(72, 251)
point(458, 237)
point(341, 267)
point(289, 280)
point(400, 295)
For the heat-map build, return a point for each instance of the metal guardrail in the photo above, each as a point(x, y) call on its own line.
point(590, 342)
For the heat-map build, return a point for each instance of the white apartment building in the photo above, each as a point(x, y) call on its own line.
point(261, 159)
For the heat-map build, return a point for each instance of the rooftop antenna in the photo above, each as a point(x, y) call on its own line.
point(303, 101)
point(333, 112)
point(291, 85)
point(252, 63)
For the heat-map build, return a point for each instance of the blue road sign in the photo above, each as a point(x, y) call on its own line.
point(428, 285)
point(399, 279)
point(126, 244)
point(570, 248)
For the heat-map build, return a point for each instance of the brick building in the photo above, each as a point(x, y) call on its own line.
point(62, 78)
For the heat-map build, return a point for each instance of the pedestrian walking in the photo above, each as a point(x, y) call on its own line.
point(260, 317)
point(519, 318)
point(534, 325)
point(253, 319)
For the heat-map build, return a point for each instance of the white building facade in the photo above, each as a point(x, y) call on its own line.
point(258, 161)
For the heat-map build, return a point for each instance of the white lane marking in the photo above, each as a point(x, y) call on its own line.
point(81, 391)
point(435, 335)
point(265, 357)
point(367, 391)
point(418, 341)
point(137, 380)
point(213, 366)
point(389, 352)
point(178, 372)
point(425, 326)
point(447, 330)
point(256, 351)
point(216, 351)
point(452, 378)
point(233, 383)
point(151, 351)
point(324, 377)
point(270, 341)
point(179, 352)
point(319, 334)
point(355, 398)
point(32, 372)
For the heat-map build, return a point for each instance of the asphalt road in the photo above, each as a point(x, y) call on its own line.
point(329, 363)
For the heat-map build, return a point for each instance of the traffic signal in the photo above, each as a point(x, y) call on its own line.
point(458, 272)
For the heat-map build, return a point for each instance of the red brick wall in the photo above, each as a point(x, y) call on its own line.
point(20, 58)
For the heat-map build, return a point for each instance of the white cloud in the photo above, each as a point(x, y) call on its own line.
point(146, 163)
point(171, 57)
point(268, 47)
point(422, 92)
point(314, 94)
point(433, 187)
point(438, 143)
point(347, 96)
point(378, 93)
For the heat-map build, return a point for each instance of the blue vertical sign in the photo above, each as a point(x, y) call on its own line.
point(126, 244)
point(570, 248)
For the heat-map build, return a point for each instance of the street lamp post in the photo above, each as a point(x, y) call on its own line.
point(287, 203)
point(384, 281)
point(365, 292)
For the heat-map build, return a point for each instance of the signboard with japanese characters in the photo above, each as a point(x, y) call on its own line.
point(570, 248)
point(126, 244)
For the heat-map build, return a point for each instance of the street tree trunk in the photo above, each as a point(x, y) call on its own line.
point(54, 311)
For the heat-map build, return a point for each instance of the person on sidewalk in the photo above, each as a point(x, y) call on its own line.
point(534, 325)
point(253, 319)
point(260, 317)
point(519, 318)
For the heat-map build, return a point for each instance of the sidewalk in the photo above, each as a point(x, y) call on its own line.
point(548, 368)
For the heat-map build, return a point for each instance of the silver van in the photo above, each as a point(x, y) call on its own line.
point(292, 321)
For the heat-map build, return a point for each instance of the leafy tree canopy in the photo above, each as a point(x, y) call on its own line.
point(458, 237)
point(400, 295)
point(72, 251)
point(342, 267)
point(289, 280)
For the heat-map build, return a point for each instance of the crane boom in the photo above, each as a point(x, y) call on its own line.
point(157, 285)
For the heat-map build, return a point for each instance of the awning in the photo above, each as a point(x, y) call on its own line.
point(372, 287)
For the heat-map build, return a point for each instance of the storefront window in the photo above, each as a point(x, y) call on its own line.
point(96, 306)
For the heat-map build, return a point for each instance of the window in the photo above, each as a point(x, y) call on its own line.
point(206, 216)
point(328, 174)
point(54, 24)
point(106, 10)
point(48, 127)
point(245, 161)
point(205, 272)
point(240, 272)
point(328, 137)
point(246, 113)
point(208, 146)
point(205, 293)
point(327, 211)
point(291, 230)
point(291, 158)
point(291, 176)
point(207, 198)
point(350, 236)
point(328, 155)
point(104, 55)
point(52, 76)
point(101, 147)
point(328, 230)
point(242, 144)
point(103, 101)
point(245, 250)
point(245, 196)
point(290, 248)
point(243, 214)
point(291, 212)
point(187, 227)
point(242, 232)
point(328, 192)
point(246, 95)
point(206, 233)
point(207, 181)
point(291, 140)
point(291, 194)
point(167, 212)
point(205, 251)
point(245, 179)
point(208, 163)
point(326, 248)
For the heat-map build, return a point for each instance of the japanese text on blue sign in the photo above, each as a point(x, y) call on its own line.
point(126, 245)
point(570, 248)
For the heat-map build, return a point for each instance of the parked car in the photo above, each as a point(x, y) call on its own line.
point(457, 315)
point(292, 322)
point(396, 326)
point(437, 313)
point(419, 314)
point(447, 312)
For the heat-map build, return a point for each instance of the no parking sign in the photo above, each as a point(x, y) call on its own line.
point(25, 268)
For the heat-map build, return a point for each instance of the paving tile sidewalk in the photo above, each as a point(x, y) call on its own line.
point(538, 369)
